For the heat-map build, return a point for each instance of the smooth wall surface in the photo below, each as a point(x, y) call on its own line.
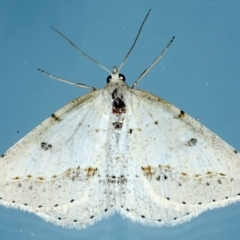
point(200, 74)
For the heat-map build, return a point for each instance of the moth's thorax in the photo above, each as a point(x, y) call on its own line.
point(110, 87)
point(117, 95)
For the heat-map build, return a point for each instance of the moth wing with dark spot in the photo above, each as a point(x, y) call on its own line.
point(84, 211)
point(136, 199)
point(59, 164)
point(140, 204)
point(178, 158)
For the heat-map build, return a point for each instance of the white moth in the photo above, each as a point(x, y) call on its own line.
point(119, 149)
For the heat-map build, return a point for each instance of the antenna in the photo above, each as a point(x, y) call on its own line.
point(139, 31)
point(154, 62)
point(115, 70)
point(80, 85)
point(101, 66)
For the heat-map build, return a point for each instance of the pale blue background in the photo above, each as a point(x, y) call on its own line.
point(199, 74)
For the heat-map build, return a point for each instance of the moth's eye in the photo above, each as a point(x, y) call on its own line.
point(122, 77)
point(109, 78)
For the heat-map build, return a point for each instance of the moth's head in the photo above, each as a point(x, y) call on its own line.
point(115, 76)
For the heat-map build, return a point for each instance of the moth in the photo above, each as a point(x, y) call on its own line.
point(119, 149)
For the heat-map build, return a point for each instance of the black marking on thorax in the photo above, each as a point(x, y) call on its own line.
point(118, 109)
point(117, 125)
point(118, 105)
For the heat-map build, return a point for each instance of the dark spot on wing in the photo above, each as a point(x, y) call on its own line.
point(3, 155)
point(192, 142)
point(148, 171)
point(197, 175)
point(235, 151)
point(181, 114)
point(45, 146)
point(16, 178)
point(91, 171)
point(156, 122)
point(55, 118)
point(130, 131)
